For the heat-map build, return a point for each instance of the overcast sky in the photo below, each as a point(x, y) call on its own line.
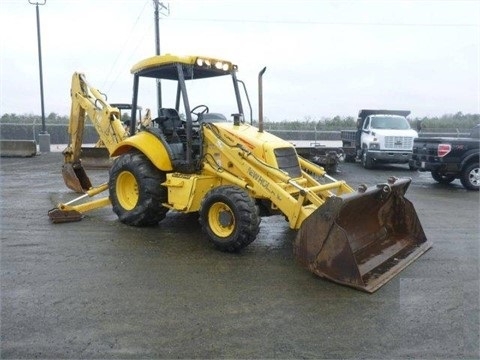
point(323, 58)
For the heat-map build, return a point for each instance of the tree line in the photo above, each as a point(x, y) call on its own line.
point(335, 123)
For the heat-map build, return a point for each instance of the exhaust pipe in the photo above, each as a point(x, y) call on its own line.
point(260, 100)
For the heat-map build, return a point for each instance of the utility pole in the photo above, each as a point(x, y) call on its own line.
point(159, 7)
point(43, 137)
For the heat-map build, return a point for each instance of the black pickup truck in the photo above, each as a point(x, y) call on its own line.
point(449, 158)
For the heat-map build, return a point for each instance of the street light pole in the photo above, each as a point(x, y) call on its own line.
point(43, 137)
point(157, 46)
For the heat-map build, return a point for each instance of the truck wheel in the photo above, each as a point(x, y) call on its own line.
point(470, 177)
point(135, 191)
point(442, 178)
point(367, 160)
point(230, 218)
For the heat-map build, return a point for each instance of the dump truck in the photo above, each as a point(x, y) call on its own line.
point(382, 137)
point(232, 174)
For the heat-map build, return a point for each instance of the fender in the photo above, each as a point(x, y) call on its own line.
point(150, 143)
point(470, 157)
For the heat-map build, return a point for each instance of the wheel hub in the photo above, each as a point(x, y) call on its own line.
point(127, 190)
point(475, 176)
point(225, 218)
point(221, 219)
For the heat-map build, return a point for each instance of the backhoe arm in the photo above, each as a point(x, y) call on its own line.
point(87, 100)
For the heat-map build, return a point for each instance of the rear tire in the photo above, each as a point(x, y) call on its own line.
point(230, 218)
point(470, 177)
point(441, 178)
point(135, 189)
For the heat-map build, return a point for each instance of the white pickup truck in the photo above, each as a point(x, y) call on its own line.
point(382, 136)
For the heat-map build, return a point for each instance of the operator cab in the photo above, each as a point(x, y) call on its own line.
point(173, 129)
point(171, 124)
point(182, 134)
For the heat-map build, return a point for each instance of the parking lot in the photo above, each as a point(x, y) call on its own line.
point(100, 289)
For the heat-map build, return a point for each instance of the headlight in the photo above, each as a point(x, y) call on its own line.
point(374, 146)
point(222, 66)
point(219, 65)
point(203, 62)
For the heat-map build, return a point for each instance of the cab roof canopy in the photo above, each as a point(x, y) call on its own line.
point(194, 67)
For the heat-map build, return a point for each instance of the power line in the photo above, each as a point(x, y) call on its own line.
point(123, 49)
point(326, 23)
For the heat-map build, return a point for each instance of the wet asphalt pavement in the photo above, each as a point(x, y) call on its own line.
point(100, 289)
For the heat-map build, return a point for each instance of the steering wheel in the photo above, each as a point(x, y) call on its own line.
point(197, 112)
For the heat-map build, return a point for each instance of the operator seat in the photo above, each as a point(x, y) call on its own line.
point(170, 123)
point(172, 128)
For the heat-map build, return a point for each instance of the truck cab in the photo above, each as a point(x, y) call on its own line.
point(384, 136)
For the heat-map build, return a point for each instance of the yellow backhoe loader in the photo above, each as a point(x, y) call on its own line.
point(233, 173)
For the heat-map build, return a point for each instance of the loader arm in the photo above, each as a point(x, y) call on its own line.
point(297, 198)
point(86, 100)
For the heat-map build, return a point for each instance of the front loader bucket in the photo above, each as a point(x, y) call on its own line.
point(362, 239)
point(75, 177)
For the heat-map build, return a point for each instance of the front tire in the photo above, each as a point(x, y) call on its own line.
point(230, 218)
point(135, 190)
point(367, 160)
point(470, 177)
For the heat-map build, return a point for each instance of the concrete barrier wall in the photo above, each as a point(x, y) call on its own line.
point(58, 133)
point(18, 148)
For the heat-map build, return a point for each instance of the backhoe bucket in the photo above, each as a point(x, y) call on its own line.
point(74, 174)
point(362, 239)
point(75, 177)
